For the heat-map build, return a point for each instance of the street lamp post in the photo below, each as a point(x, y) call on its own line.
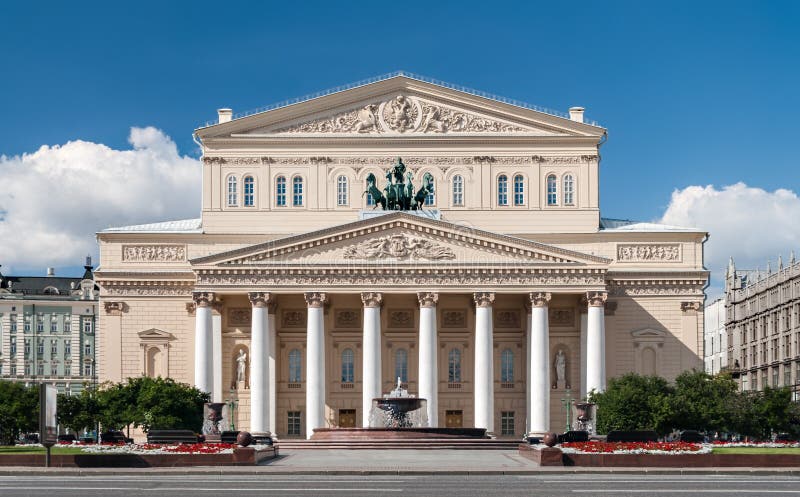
point(566, 403)
point(232, 404)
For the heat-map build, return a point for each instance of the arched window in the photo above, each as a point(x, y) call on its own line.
point(569, 190)
point(233, 199)
point(347, 366)
point(249, 191)
point(454, 366)
point(507, 366)
point(458, 190)
point(280, 191)
point(552, 190)
point(431, 198)
point(502, 190)
point(297, 191)
point(341, 190)
point(295, 366)
point(401, 365)
point(519, 190)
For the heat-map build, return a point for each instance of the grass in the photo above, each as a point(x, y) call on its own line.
point(13, 450)
point(756, 450)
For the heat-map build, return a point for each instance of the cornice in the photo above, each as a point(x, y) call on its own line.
point(478, 140)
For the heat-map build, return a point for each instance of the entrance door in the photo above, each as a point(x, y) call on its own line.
point(454, 419)
point(347, 418)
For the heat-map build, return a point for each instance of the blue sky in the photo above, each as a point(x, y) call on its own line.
point(692, 93)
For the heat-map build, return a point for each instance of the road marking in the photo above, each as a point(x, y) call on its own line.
point(732, 491)
point(206, 489)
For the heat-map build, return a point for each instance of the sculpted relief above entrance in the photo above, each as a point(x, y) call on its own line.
point(404, 114)
point(399, 246)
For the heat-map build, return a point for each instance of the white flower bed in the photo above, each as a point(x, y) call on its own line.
point(705, 449)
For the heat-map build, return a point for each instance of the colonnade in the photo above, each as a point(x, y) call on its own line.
point(538, 367)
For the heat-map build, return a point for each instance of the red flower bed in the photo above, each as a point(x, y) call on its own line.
point(631, 447)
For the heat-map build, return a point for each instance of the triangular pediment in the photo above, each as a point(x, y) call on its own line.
point(400, 239)
point(402, 106)
point(155, 334)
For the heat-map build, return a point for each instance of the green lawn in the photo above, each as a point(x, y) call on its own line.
point(756, 450)
point(10, 450)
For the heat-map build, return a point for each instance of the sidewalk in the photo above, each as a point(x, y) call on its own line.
point(390, 462)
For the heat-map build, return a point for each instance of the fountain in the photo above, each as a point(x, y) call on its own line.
point(397, 415)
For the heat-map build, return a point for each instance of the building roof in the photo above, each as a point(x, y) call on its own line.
point(49, 287)
point(179, 226)
point(608, 225)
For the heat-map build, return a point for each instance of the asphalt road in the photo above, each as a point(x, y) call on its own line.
point(352, 486)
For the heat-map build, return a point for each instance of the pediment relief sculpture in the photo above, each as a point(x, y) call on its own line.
point(405, 114)
point(399, 246)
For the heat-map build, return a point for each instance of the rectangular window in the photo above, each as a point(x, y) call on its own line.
point(87, 370)
point(519, 191)
point(280, 192)
point(787, 375)
point(458, 190)
point(27, 349)
point(67, 348)
point(430, 199)
point(87, 349)
point(40, 323)
point(13, 369)
point(53, 347)
point(87, 326)
point(507, 423)
point(40, 369)
point(249, 192)
point(755, 381)
point(27, 369)
point(40, 347)
point(67, 326)
point(775, 383)
point(13, 328)
point(67, 370)
point(53, 325)
point(502, 190)
point(293, 423)
point(341, 191)
point(26, 327)
point(297, 192)
point(13, 346)
point(54, 370)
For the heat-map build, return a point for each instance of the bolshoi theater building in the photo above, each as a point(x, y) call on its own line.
point(400, 229)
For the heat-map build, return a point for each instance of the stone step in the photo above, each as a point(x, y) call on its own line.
point(465, 444)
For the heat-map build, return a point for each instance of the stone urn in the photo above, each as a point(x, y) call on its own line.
point(215, 416)
point(584, 411)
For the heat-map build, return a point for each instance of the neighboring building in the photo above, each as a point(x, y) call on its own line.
point(47, 329)
point(763, 326)
point(715, 350)
point(292, 294)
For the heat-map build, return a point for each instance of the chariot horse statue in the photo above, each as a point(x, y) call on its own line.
point(398, 194)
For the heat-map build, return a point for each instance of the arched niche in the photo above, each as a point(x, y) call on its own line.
point(155, 347)
point(240, 367)
point(648, 345)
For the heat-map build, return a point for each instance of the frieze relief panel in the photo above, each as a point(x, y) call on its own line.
point(154, 253)
point(649, 252)
point(399, 246)
point(401, 318)
point(349, 319)
point(507, 319)
point(454, 318)
point(293, 318)
point(240, 316)
point(358, 162)
point(562, 316)
point(405, 114)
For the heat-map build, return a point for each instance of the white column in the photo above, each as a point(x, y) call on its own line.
point(315, 362)
point(583, 355)
point(596, 342)
point(259, 364)
point(371, 383)
point(203, 342)
point(273, 387)
point(528, 368)
point(539, 357)
point(484, 363)
point(428, 350)
point(216, 330)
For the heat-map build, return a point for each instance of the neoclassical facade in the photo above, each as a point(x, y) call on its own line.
point(503, 298)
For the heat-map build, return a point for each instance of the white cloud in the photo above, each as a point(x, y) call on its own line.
point(53, 201)
point(750, 224)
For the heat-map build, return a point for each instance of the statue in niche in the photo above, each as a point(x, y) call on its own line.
point(561, 369)
point(241, 367)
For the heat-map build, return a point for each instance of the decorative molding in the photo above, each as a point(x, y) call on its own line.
point(403, 114)
point(142, 288)
point(191, 307)
point(483, 299)
point(561, 316)
point(596, 299)
point(259, 299)
point(649, 252)
point(454, 318)
point(507, 319)
point(371, 299)
point(154, 253)
point(115, 308)
point(539, 299)
point(347, 319)
point(666, 287)
point(693, 306)
point(414, 161)
point(240, 316)
point(399, 246)
point(315, 300)
point(401, 318)
point(427, 299)
point(293, 318)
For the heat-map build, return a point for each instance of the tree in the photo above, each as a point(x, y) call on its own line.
point(117, 405)
point(19, 411)
point(634, 402)
point(77, 412)
point(701, 401)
